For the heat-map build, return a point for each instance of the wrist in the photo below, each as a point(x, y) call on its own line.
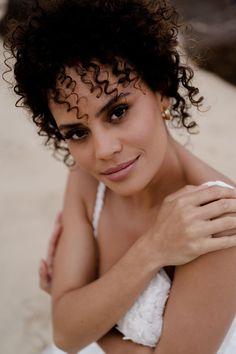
point(149, 254)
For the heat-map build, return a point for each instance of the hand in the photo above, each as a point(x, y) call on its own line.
point(187, 221)
point(46, 265)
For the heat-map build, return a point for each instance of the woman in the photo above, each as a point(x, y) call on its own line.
point(101, 79)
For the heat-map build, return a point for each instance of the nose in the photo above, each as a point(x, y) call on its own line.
point(106, 144)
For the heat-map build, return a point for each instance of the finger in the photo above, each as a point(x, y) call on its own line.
point(54, 238)
point(52, 247)
point(217, 244)
point(53, 242)
point(58, 219)
point(55, 233)
point(50, 271)
point(50, 258)
point(209, 194)
point(44, 280)
point(185, 191)
point(219, 225)
point(217, 208)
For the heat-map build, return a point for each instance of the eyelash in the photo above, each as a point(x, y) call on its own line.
point(123, 107)
point(77, 131)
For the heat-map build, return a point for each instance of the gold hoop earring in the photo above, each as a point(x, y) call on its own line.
point(166, 114)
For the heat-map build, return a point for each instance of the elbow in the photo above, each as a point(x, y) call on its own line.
point(65, 343)
point(63, 336)
point(68, 335)
point(60, 342)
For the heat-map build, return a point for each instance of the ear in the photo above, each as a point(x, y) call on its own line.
point(163, 100)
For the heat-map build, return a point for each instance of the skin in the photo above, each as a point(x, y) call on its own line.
point(137, 210)
point(105, 147)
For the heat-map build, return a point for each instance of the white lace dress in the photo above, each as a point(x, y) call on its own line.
point(143, 322)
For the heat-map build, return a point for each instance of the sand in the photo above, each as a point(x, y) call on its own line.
point(31, 192)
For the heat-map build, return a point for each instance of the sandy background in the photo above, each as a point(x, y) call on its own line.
point(31, 190)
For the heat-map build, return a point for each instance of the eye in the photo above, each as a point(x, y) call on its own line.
point(118, 113)
point(76, 134)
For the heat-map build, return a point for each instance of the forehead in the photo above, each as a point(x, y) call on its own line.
point(98, 78)
point(78, 90)
point(86, 82)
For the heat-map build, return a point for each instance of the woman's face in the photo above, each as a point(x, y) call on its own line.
point(121, 142)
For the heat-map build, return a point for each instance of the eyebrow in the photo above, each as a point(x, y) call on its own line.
point(113, 100)
point(105, 108)
point(69, 125)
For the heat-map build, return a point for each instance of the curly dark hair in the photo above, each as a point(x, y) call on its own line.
point(83, 34)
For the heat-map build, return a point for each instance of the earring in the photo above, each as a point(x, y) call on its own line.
point(166, 114)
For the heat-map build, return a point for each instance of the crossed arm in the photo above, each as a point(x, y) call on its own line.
point(198, 314)
point(200, 309)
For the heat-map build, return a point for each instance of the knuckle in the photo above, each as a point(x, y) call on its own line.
point(195, 248)
point(225, 205)
point(221, 192)
point(228, 223)
point(226, 243)
point(180, 202)
point(216, 192)
point(185, 217)
point(230, 241)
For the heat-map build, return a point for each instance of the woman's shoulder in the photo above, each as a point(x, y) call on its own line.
point(85, 187)
point(198, 171)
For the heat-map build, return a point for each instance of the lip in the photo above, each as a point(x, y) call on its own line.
point(120, 172)
point(120, 167)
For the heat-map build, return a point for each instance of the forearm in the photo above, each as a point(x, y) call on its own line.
point(112, 343)
point(83, 315)
point(201, 305)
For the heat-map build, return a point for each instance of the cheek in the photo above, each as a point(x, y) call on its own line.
point(149, 133)
point(81, 155)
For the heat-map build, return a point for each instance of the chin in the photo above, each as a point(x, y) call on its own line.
point(129, 187)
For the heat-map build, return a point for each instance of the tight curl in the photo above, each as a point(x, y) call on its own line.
point(82, 33)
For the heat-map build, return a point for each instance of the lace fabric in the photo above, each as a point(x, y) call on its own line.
point(143, 322)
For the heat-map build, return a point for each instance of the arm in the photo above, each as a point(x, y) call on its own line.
point(79, 317)
point(201, 305)
point(86, 308)
point(112, 343)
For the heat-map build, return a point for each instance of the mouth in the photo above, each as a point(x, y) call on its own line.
point(120, 167)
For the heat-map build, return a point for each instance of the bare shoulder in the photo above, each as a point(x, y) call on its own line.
point(202, 302)
point(215, 271)
point(83, 186)
point(75, 261)
point(198, 171)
